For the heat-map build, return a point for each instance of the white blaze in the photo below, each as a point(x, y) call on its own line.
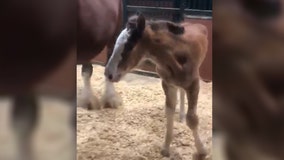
point(117, 51)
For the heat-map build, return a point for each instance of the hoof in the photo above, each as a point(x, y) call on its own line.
point(165, 153)
point(199, 156)
point(111, 101)
point(94, 104)
point(90, 103)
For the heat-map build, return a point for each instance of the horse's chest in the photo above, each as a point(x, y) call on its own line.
point(177, 79)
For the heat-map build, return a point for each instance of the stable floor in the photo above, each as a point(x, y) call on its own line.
point(136, 130)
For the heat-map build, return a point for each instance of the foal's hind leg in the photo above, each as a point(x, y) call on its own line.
point(182, 103)
point(192, 119)
point(88, 100)
point(171, 99)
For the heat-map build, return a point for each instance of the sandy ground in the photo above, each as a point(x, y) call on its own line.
point(136, 130)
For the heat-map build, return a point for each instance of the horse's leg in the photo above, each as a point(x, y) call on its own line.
point(73, 118)
point(88, 100)
point(182, 102)
point(171, 99)
point(110, 98)
point(24, 118)
point(192, 118)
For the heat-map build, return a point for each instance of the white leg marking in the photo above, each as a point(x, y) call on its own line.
point(198, 144)
point(169, 133)
point(182, 102)
point(171, 100)
point(110, 97)
point(201, 151)
point(88, 99)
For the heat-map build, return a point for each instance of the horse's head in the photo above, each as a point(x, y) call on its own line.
point(136, 40)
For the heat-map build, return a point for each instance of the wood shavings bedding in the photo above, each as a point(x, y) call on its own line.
point(136, 130)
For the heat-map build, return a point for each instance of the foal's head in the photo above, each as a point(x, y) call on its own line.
point(138, 38)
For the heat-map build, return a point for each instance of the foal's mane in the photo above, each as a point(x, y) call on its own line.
point(156, 25)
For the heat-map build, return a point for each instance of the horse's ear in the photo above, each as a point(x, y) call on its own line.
point(175, 28)
point(141, 22)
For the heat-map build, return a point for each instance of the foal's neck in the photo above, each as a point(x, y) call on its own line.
point(166, 61)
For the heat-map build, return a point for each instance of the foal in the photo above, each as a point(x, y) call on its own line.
point(178, 51)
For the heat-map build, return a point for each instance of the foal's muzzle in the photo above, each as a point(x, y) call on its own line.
point(111, 76)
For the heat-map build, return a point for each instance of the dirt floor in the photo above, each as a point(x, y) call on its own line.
point(136, 130)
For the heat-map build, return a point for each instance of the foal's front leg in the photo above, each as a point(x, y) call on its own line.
point(171, 99)
point(192, 118)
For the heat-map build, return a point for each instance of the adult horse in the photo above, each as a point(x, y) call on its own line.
point(38, 51)
point(248, 113)
point(100, 22)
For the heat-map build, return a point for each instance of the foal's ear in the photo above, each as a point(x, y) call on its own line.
point(175, 28)
point(140, 22)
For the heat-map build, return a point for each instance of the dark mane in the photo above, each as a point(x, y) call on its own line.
point(156, 25)
point(172, 27)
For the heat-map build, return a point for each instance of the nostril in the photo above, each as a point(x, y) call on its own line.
point(110, 77)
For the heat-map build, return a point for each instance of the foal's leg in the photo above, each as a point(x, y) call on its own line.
point(24, 118)
point(88, 100)
point(182, 102)
point(171, 99)
point(192, 118)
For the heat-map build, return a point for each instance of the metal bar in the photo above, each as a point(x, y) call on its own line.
point(201, 4)
point(125, 12)
point(182, 7)
point(151, 9)
point(197, 12)
point(176, 15)
point(194, 4)
point(172, 10)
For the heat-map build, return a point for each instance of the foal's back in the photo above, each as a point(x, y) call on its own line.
point(187, 52)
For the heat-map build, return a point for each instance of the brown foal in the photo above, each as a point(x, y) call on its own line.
point(178, 51)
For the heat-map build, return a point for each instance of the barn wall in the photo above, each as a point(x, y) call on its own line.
point(206, 68)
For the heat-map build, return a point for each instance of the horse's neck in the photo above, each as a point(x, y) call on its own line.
point(165, 62)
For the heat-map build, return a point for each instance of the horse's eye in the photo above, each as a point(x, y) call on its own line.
point(263, 9)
